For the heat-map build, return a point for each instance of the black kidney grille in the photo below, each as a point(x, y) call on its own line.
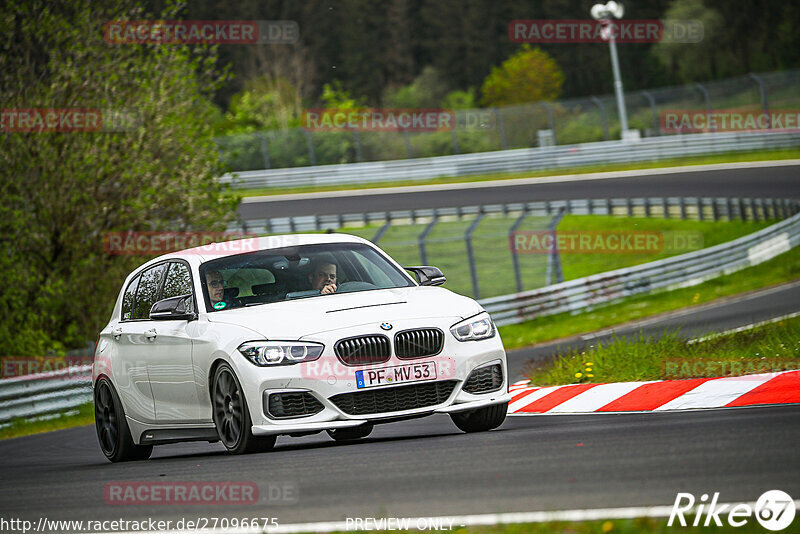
point(485, 379)
point(418, 343)
point(394, 399)
point(363, 350)
point(293, 404)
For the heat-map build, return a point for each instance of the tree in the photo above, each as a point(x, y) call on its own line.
point(692, 61)
point(530, 75)
point(63, 191)
point(265, 104)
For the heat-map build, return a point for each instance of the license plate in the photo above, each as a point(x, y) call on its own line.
point(412, 372)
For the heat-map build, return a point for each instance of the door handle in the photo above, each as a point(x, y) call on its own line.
point(150, 334)
point(117, 332)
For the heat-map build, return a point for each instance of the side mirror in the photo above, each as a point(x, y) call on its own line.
point(173, 309)
point(428, 275)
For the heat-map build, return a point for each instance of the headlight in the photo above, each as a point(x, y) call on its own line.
point(474, 328)
point(265, 353)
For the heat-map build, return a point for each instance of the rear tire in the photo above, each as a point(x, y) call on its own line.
point(232, 417)
point(350, 434)
point(112, 428)
point(482, 419)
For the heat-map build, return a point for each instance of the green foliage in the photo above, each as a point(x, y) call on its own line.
point(692, 61)
point(530, 75)
point(62, 192)
point(426, 91)
point(335, 96)
point(265, 104)
point(460, 99)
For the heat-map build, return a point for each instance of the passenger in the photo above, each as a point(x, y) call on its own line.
point(323, 277)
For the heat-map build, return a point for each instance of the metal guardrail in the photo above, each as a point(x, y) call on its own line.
point(519, 160)
point(46, 393)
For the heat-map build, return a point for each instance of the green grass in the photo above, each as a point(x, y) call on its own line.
point(447, 249)
point(733, 157)
point(768, 348)
point(24, 427)
point(783, 268)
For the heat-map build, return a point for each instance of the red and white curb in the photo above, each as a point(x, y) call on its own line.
point(656, 396)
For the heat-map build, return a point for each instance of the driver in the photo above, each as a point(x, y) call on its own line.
point(216, 286)
point(216, 292)
point(323, 277)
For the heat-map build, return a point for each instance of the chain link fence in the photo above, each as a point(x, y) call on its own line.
point(561, 122)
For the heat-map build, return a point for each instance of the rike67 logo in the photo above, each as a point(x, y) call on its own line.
point(774, 510)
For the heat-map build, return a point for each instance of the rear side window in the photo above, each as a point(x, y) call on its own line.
point(129, 298)
point(147, 293)
point(178, 282)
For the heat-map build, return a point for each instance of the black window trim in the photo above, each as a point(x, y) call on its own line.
point(160, 287)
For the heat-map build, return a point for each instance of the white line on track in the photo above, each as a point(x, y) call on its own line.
point(522, 181)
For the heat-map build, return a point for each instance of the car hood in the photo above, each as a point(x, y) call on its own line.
point(304, 317)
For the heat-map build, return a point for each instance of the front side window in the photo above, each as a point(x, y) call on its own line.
point(149, 288)
point(178, 281)
point(129, 299)
point(296, 272)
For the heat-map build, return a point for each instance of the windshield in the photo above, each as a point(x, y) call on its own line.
point(296, 272)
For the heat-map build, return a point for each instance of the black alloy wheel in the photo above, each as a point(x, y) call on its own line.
point(231, 416)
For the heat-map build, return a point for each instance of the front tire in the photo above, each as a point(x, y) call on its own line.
point(231, 416)
point(350, 434)
point(482, 419)
point(112, 428)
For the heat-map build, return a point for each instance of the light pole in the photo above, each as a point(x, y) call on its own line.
point(604, 13)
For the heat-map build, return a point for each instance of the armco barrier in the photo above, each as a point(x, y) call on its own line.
point(46, 393)
point(519, 160)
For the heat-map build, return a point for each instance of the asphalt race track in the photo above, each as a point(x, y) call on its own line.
point(778, 181)
point(427, 467)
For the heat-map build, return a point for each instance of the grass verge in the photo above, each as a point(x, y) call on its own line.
point(732, 157)
point(768, 348)
point(783, 268)
point(81, 415)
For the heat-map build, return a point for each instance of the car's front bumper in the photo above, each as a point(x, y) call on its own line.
point(327, 378)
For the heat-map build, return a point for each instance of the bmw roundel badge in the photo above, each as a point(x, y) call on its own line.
point(386, 326)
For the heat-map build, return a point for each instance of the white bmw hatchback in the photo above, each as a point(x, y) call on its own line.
point(289, 335)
